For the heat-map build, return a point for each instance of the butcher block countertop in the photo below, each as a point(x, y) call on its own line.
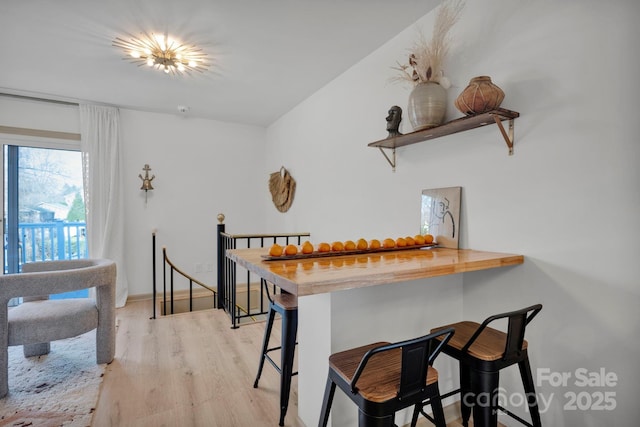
point(309, 276)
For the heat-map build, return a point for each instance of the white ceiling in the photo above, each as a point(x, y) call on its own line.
point(267, 55)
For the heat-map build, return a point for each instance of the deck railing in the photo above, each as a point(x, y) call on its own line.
point(234, 279)
point(48, 241)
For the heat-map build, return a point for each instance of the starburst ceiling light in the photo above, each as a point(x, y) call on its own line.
point(163, 53)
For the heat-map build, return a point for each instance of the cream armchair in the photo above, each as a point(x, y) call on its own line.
point(40, 320)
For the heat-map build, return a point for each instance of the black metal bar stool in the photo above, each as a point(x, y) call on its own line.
point(482, 352)
point(287, 306)
point(383, 378)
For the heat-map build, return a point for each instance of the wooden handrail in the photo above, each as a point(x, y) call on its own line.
point(172, 265)
point(264, 236)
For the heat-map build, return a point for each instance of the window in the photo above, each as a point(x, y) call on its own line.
point(43, 204)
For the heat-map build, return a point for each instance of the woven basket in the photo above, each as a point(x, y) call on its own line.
point(282, 187)
point(479, 97)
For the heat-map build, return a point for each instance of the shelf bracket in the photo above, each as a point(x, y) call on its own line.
point(507, 138)
point(393, 156)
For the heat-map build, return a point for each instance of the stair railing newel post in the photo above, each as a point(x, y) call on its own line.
point(153, 272)
point(221, 262)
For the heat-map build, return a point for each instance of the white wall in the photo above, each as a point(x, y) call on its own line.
point(567, 199)
point(202, 168)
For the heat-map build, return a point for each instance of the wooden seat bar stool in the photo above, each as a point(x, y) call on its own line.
point(382, 378)
point(482, 352)
point(286, 305)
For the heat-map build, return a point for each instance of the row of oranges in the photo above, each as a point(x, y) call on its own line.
point(307, 247)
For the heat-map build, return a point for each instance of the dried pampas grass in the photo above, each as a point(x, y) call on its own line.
point(426, 57)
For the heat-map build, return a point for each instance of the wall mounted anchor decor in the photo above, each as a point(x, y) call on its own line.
point(146, 181)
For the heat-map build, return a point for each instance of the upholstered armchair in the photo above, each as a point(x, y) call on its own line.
point(39, 320)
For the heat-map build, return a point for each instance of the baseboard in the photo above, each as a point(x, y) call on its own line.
point(180, 292)
point(177, 294)
point(139, 297)
point(182, 295)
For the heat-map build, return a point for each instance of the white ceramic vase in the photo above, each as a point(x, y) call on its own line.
point(427, 105)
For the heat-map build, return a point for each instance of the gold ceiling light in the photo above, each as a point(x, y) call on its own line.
point(163, 53)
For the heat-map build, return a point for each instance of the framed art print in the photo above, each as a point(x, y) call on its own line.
point(440, 215)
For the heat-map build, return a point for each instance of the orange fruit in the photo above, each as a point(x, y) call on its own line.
point(388, 243)
point(401, 242)
point(362, 245)
point(275, 250)
point(291, 250)
point(410, 241)
point(324, 247)
point(419, 239)
point(349, 245)
point(375, 244)
point(428, 239)
point(337, 246)
point(307, 247)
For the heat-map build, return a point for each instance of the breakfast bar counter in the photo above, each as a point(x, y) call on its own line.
point(309, 276)
point(350, 300)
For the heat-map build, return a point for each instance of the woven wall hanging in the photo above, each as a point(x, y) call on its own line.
point(282, 187)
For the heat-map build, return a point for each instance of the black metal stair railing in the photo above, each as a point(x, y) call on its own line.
point(233, 278)
point(192, 280)
point(170, 300)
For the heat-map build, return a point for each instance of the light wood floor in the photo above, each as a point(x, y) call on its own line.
point(190, 369)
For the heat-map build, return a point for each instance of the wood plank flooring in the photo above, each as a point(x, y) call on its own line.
point(190, 369)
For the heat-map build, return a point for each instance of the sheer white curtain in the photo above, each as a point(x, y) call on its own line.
point(102, 175)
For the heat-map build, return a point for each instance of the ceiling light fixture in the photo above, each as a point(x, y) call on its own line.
point(163, 53)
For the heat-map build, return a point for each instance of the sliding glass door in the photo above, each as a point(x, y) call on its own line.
point(44, 217)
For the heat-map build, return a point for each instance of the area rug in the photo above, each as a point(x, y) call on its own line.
point(58, 389)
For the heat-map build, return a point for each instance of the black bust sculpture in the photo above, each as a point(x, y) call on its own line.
point(393, 121)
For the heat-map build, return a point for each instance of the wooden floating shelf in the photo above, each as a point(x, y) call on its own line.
point(458, 125)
